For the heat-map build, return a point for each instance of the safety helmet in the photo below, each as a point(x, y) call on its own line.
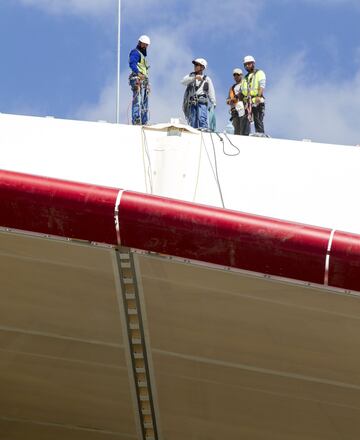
point(201, 61)
point(238, 71)
point(144, 39)
point(249, 59)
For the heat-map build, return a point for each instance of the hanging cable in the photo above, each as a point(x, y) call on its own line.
point(223, 144)
point(234, 146)
point(198, 170)
point(216, 171)
point(208, 156)
point(146, 149)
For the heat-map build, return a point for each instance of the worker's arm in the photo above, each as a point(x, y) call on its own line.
point(134, 58)
point(229, 99)
point(262, 82)
point(188, 79)
point(212, 96)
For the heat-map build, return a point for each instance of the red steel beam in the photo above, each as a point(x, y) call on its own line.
point(344, 270)
point(57, 207)
point(186, 230)
point(223, 237)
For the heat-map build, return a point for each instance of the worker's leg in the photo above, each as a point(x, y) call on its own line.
point(244, 124)
point(203, 115)
point(259, 113)
point(235, 122)
point(194, 120)
point(136, 100)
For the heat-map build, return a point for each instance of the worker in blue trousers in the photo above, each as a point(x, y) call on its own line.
point(199, 96)
point(139, 81)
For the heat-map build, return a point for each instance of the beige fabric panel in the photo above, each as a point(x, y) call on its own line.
point(20, 430)
point(46, 283)
point(242, 357)
point(63, 371)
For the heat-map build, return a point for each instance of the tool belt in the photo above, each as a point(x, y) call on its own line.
point(252, 98)
point(133, 76)
point(137, 84)
point(199, 99)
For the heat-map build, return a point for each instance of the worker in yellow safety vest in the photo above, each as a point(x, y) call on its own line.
point(139, 81)
point(252, 90)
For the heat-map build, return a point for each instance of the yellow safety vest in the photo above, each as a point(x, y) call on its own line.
point(250, 85)
point(142, 65)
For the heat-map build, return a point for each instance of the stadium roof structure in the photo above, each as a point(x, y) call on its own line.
point(153, 287)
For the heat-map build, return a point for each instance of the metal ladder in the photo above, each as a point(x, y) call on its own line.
point(137, 345)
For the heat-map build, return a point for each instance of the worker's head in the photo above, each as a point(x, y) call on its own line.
point(237, 74)
point(144, 41)
point(200, 64)
point(249, 63)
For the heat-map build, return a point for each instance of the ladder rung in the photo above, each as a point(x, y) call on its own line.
point(125, 265)
point(139, 355)
point(130, 295)
point(132, 312)
point(136, 341)
point(142, 384)
point(134, 326)
point(140, 370)
point(128, 280)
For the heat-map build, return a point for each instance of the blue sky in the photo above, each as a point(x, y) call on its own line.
point(59, 58)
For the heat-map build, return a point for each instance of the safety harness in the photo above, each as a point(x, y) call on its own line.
point(191, 97)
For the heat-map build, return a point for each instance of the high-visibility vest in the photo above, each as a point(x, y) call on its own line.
point(142, 65)
point(232, 93)
point(250, 85)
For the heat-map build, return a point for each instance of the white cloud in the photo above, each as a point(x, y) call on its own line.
point(195, 12)
point(80, 7)
point(104, 109)
point(303, 106)
point(195, 18)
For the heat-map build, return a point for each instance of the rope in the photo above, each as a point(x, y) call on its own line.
point(223, 145)
point(198, 171)
point(145, 148)
point(214, 170)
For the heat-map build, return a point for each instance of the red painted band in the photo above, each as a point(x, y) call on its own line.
point(57, 207)
point(172, 227)
point(223, 237)
point(344, 269)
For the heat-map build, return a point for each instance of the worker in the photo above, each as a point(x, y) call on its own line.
point(252, 89)
point(139, 81)
point(199, 95)
point(235, 101)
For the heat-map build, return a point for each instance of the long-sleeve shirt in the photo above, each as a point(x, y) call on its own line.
point(134, 59)
point(188, 79)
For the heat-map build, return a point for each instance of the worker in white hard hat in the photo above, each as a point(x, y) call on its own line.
point(139, 81)
point(235, 101)
point(199, 95)
point(252, 89)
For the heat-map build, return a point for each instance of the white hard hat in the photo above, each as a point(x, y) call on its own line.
point(144, 39)
point(201, 61)
point(249, 59)
point(238, 71)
